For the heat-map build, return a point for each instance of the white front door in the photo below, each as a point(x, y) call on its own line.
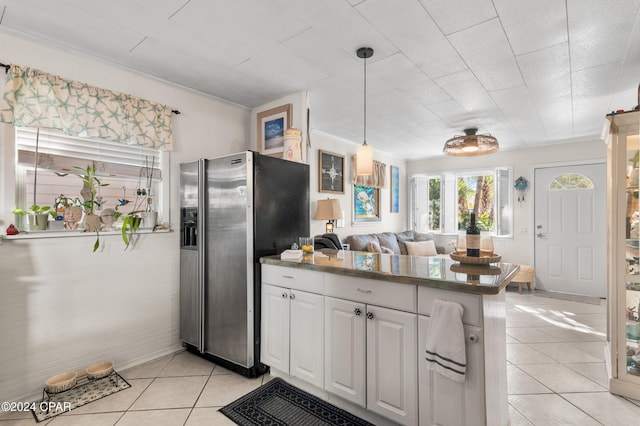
point(570, 229)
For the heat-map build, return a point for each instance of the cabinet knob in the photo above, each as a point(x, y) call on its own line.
point(293, 296)
point(369, 315)
point(473, 338)
point(284, 295)
point(357, 312)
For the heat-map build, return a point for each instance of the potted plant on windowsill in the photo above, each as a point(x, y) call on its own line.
point(37, 216)
point(90, 182)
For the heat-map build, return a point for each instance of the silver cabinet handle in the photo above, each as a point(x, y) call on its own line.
point(284, 295)
point(357, 312)
point(287, 276)
point(293, 296)
point(474, 338)
point(541, 235)
point(369, 315)
point(364, 290)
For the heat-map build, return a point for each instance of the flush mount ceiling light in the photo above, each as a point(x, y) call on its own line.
point(470, 144)
point(364, 155)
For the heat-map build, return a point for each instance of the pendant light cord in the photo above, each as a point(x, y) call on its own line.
point(365, 101)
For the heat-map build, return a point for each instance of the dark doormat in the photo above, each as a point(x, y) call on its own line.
point(572, 297)
point(279, 403)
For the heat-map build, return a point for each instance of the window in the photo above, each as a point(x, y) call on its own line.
point(571, 181)
point(427, 201)
point(123, 167)
point(441, 203)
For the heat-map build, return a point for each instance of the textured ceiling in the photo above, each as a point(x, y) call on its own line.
point(530, 72)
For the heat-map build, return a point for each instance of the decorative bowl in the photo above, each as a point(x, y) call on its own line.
point(61, 382)
point(99, 370)
point(470, 260)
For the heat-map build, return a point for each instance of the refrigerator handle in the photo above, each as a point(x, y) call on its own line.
point(201, 246)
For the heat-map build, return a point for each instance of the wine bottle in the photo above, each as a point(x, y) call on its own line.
point(473, 237)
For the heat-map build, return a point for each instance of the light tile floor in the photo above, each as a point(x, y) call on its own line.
point(555, 366)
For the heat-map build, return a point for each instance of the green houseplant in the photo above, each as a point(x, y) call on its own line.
point(37, 216)
point(90, 183)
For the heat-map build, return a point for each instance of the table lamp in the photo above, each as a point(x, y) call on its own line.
point(329, 210)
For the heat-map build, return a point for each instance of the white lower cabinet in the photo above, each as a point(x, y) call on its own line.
point(292, 330)
point(444, 401)
point(392, 376)
point(371, 358)
point(345, 366)
point(363, 340)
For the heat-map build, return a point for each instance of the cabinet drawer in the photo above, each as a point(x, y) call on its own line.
point(381, 293)
point(294, 278)
point(472, 303)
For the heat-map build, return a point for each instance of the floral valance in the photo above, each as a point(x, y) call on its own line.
point(377, 180)
point(33, 98)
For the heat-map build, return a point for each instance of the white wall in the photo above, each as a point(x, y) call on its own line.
point(392, 222)
point(63, 307)
point(518, 249)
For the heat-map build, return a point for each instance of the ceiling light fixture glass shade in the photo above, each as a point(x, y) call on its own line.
point(470, 144)
point(364, 155)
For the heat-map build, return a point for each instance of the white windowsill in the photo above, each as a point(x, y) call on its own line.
point(75, 233)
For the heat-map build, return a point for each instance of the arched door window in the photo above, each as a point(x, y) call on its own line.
point(571, 181)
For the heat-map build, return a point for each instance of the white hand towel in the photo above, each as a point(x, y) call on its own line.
point(445, 343)
point(291, 255)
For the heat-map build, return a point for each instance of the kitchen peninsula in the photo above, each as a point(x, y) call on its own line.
point(351, 328)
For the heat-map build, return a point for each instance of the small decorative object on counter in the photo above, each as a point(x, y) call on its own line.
point(12, 230)
point(306, 244)
point(473, 237)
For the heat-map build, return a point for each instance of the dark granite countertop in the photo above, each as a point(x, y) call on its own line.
point(437, 271)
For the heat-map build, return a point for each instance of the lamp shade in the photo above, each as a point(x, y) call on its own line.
point(328, 209)
point(470, 144)
point(364, 160)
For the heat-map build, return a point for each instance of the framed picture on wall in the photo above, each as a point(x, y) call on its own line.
point(271, 126)
point(366, 204)
point(330, 172)
point(395, 189)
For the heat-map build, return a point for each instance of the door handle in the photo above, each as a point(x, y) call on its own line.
point(541, 235)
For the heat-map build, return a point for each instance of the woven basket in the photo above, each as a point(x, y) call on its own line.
point(470, 260)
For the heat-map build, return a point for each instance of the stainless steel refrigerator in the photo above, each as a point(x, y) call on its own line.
point(234, 209)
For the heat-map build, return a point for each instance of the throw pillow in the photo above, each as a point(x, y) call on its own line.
point(386, 250)
point(359, 242)
point(421, 248)
point(374, 247)
point(388, 239)
point(422, 236)
point(403, 237)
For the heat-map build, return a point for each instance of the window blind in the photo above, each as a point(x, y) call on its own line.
point(503, 201)
point(61, 153)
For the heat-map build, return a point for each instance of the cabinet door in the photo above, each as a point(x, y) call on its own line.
point(345, 349)
point(392, 376)
point(274, 320)
point(307, 337)
point(444, 401)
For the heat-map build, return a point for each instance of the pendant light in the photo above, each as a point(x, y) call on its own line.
point(470, 144)
point(364, 155)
